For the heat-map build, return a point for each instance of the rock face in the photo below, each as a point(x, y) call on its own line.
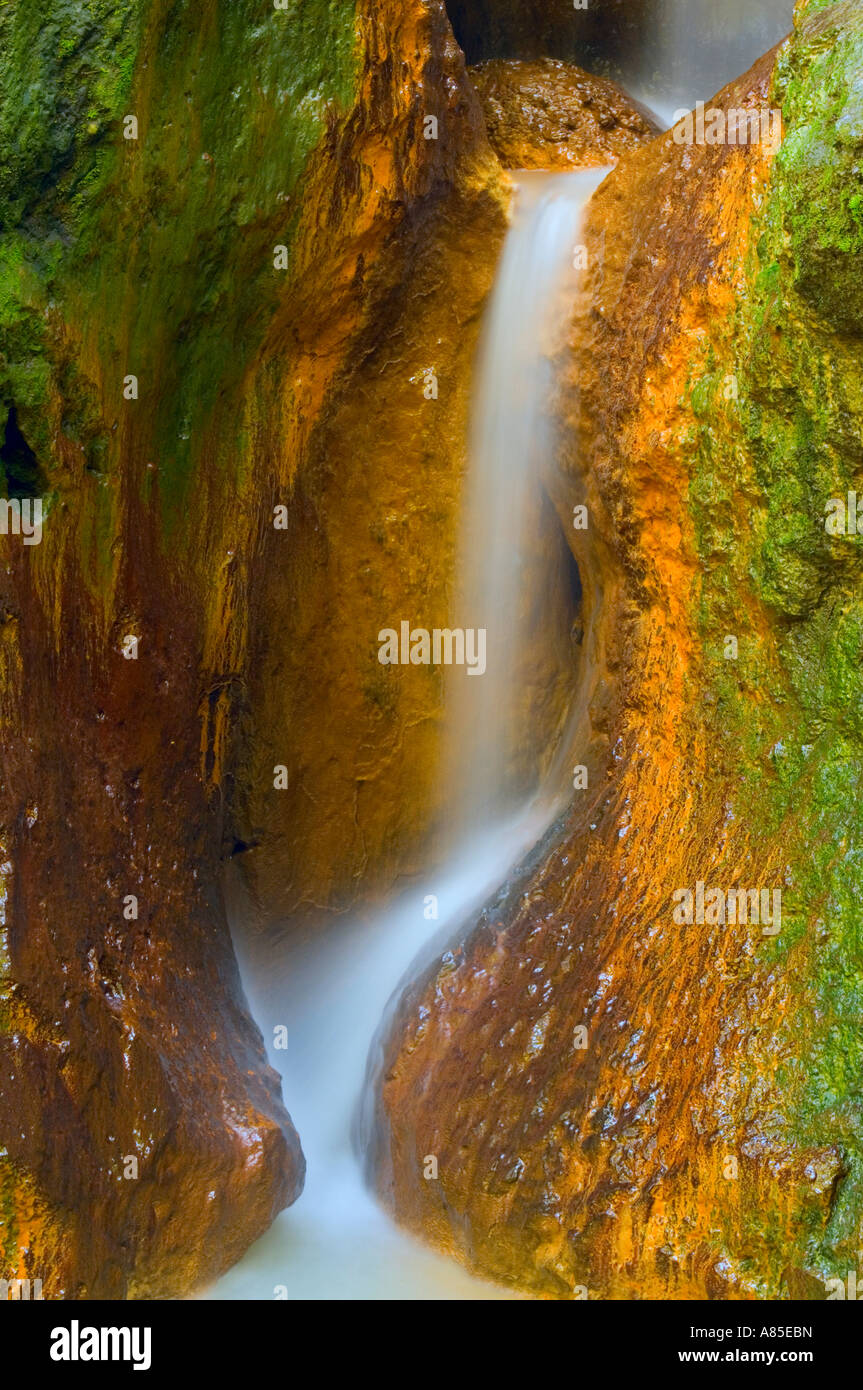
point(222, 234)
point(376, 355)
point(243, 259)
point(629, 1090)
point(552, 115)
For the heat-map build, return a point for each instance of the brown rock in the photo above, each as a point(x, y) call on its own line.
point(394, 266)
point(547, 114)
point(598, 1159)
point(127, 1036)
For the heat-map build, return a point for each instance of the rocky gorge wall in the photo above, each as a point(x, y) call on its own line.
point(228, 314)
point(206, 314)
point(624, 1103)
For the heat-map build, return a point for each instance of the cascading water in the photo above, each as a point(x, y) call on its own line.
point(512, 439)
point(331, 994)
point(695, 47)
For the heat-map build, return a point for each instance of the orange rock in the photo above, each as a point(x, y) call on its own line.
point(583, 1067)
point(128, 1036)
point(395, 257)
point(548, 114)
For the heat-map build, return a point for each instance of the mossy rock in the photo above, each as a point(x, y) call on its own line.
point(820, 167)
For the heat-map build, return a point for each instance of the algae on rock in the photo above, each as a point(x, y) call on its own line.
point(706, 1141)
point(164, 369)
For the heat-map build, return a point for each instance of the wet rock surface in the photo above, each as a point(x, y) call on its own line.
point(239, 307)
point(205, 317)
point(548, 114)
point(620, 1100)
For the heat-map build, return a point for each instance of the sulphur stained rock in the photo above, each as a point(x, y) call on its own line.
point(375, 352)
point(619, 1103)
point(195, 315)
point(547, 114)
point(378, 360)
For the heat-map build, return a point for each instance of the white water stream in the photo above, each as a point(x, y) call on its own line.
point(695, 47)
point(512, 438)
point(336, 1242)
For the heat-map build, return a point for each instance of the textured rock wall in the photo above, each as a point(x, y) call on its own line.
point(548, 114)
point(701, 1136)
point(126, 1036)
point(374, 498)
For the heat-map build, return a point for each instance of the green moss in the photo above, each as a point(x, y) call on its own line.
point(62, 66)
point(160, 248)
point(239, 99)
point(822, 161)
point(789, 713)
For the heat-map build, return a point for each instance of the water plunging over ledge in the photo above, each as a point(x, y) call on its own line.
point(331, 993)
point(513, 435)
point(695, 47)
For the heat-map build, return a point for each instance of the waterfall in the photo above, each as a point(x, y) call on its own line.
point(697, 46)
point(331, 993)
point(512, 441)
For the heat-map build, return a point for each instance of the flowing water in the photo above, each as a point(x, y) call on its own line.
point(331, 993)
point(512, 440)
point(695, 47)
point(336, 1242)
